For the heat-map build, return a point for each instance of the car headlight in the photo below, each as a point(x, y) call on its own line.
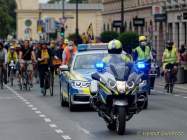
point(121, 86)
point(80, 84)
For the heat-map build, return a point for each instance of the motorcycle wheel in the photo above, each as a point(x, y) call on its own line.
point(111, 126)
point(121, 120)
point(146, 104)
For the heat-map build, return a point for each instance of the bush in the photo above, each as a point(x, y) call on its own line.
point(108, 36)
point(129, 40)
point(73, 37)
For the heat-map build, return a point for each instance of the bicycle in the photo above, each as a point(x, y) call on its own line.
point(12, 70)
point(171, 79)
point(25, 82)
point(48, 82)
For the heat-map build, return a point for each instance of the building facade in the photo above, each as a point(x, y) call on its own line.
point(177, 21)
point(139, 16)
point(29, 12)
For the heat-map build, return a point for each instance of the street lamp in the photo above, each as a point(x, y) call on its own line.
point(77, 20)
point(122, 16)
point(63, 2)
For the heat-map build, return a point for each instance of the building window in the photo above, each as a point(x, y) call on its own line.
point(156, 26)
point(130, 26)
point(104, 27)
point(146, 26)
point(108, 27)
point(142, 30)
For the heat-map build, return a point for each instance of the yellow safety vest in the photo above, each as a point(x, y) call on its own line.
point(143, 55)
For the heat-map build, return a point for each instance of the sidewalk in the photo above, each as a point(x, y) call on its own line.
point(161, 82)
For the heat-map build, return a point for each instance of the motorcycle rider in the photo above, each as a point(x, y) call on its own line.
point(170, 56)
point(115, 50)
point(142, 52)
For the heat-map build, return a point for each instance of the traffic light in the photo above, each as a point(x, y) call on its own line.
point(62, 31)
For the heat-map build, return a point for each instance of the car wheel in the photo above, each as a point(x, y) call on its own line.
point(71, 106)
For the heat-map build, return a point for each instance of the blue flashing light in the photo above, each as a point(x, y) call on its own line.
point(100, 65)
point(82, 47)
point(141, 65)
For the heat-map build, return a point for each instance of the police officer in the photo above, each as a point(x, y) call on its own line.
point(115, 55)
point(142, 52)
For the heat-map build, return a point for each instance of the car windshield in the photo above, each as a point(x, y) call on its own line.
point(88, 61)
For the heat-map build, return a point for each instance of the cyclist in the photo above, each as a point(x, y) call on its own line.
point(170, 56)
point(12, 56)
point(68, 53)
point(55, 61)
point(43, 57)
point(27, 55)
point(3, 61)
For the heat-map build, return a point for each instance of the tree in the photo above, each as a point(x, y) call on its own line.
point(8, 17)
point(108, 36)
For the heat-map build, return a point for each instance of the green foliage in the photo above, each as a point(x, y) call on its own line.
point(8, 17)
point(129, 39)
point(108, 36)
point(73, 37)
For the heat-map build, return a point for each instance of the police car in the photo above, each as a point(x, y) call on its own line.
point(75, 79)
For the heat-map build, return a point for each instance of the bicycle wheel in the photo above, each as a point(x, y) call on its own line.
point(51, 83)
point(12, 77)
point(45, 88)
point(1, 77)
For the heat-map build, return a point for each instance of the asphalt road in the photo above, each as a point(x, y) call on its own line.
point(30, 116)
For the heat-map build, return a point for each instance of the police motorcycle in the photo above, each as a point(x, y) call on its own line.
point(114, 95)
point(150, 72)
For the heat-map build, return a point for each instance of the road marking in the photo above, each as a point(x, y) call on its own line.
point(34, 109)
point(185, 97)
point(30, 106)
point(47, 120)
point(177, 95)
point(42, 116)
point(83, 129)
point(59, 131)
point(53, 125)
point(27, 103)
point(66, 137)
point(38, 112)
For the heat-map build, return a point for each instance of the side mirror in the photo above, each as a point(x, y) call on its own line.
point(138, 78)
point(96, 77)
point(64, 68)
point(94, 87)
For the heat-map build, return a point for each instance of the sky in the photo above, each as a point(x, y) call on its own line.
point(43, 1)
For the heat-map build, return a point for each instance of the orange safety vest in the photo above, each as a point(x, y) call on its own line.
point(69, 55)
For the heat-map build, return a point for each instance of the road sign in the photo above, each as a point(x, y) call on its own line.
point(160, 17)
point(116, 23)
point(138, 22)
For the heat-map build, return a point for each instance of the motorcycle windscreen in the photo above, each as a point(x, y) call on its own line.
point(120, 72)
